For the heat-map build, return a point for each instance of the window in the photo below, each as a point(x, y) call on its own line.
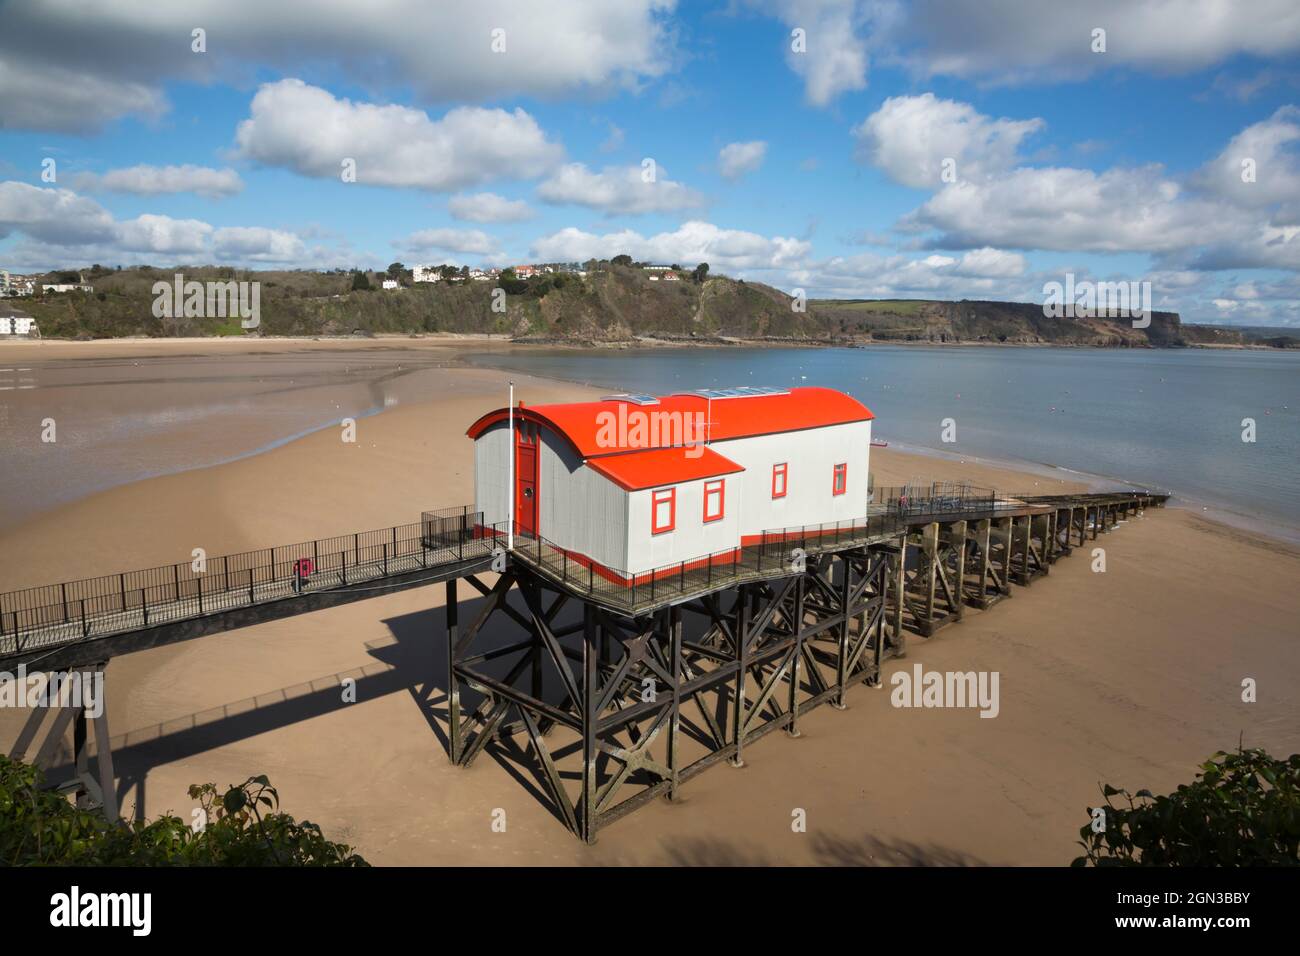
point(841, 479)
point(779, 479)
point(714, 499)
point(663, 510)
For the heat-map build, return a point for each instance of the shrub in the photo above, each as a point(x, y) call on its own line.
point(1243, 809)
point(244, 827)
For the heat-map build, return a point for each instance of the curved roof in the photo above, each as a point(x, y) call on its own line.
point(608, 427)
point(636, 470)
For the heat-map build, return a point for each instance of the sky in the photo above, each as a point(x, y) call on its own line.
point(845, 148)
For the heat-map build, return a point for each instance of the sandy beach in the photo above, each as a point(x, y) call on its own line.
point(1130, 677)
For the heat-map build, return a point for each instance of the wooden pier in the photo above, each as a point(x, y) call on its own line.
point(610, 694)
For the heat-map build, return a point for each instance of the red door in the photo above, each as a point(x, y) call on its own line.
point(526, 478)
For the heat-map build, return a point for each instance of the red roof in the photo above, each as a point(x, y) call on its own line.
point(590, 433)
point(663, 466)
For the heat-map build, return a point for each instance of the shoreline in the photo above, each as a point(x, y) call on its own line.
point(455, 349)
point(1209, 510)
point(1116, 677)
point(646, 342)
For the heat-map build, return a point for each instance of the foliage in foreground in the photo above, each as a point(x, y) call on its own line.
point(1243, 809)
point(244, 827)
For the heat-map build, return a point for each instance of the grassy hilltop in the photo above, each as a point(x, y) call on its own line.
point(612, 304)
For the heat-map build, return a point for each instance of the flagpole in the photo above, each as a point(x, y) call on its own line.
point(510, 474)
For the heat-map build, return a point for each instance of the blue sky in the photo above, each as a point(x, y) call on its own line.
point(819, 169)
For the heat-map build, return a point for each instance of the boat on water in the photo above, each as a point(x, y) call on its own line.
point(879, 443)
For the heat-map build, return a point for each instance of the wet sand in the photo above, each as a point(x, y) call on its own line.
point(1130, 677)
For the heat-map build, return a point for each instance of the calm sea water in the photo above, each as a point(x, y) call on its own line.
point(124, 419)
point(1171, 419)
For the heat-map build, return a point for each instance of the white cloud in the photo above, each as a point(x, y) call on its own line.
point(163, 235)
point(38, 95)
point(145, 180)
point(488, 207)
point(52, 215)
point(618, 189)
point(834, 59)
point(125, 52)
point(1028, 39)
point(737, 159)
point(691, 243)
point(308, 130)
point(1119, 210)
point(470, 241)
point(991, 263)
point(57, 228)
point(1268, 147)
point(980, 274)
point(910, 137)
point(258, 244)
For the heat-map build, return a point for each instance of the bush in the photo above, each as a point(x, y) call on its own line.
point(244, 827)
point(1242, 810)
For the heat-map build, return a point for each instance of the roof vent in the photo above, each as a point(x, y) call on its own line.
point(631, 399)
point(742, 391)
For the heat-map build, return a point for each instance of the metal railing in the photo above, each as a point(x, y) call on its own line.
point(130, 600)
point(117, 603)
point(776, 550)
point(936, 498)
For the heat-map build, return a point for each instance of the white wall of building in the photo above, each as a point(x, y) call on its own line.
point(691, 537)
point(811, 456)
point(582, 510)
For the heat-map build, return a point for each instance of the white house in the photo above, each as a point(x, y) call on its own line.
point(391, 284)
point(426, 274)
point(66, 287)
point(671, 277)
point(634, 483)
point(18, 325)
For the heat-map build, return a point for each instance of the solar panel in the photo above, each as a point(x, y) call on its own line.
point(631, 399)
point(741, 391)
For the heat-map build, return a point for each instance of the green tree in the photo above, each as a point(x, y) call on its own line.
point(240, 826)
point(396, 270)
point(1243, 809)
point(360, 281)
point(622, 260)
point(701, 272)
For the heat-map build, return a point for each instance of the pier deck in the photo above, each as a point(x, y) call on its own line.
point(750, 638)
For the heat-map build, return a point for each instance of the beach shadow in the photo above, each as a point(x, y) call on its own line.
point(415, 663)
point(866, 850)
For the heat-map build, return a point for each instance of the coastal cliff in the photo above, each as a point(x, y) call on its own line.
point(609, 305)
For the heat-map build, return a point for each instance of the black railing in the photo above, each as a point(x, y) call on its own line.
point(130, 600)
point(116, 603)
point(776, 551)
point(936, 498)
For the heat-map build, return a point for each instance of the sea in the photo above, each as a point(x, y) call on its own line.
point(1219, 428)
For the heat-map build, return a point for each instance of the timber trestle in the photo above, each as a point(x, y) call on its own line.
point(608, 709)
point(613, 711)
point(607, 700)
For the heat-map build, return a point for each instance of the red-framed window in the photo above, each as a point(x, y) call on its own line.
point(715, 495)
point(663, 510)
point(840, 483)
point(780, 476)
